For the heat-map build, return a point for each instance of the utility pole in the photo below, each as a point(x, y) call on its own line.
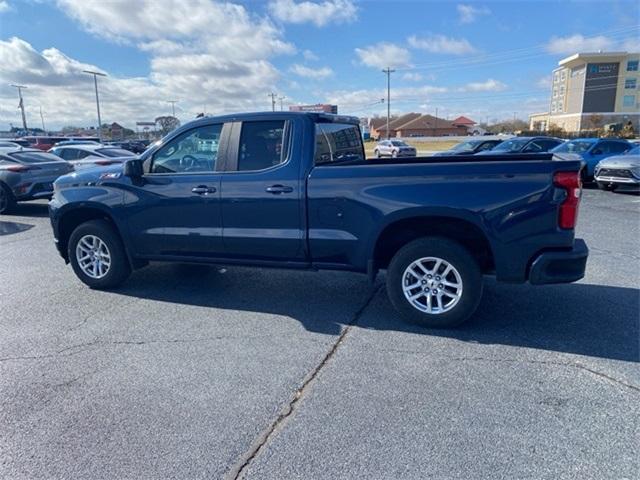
point(95, 82)
point(173, 107)
point(42, 118)
point(514, 121)
point(436, 120)
point(21, 105)
point(273, 101)
point(388, 71)
point(281, 104)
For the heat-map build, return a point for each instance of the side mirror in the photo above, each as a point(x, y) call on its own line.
point(133, 168)
point(597, 151)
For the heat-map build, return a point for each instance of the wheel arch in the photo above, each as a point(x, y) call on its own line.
point(400, 231)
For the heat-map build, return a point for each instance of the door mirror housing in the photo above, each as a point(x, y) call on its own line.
point(596, 151)
point(133, 168)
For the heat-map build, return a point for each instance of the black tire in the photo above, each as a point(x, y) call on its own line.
point(377, 153)
point(7, 200)
point(458, 257)
point(118, 271)
point(606, 186)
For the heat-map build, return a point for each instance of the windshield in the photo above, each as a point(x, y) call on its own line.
point(574, 146)
point(514, 145)
point(35, 157)
point(398, 143)
point(465, 146)
point(115, 152)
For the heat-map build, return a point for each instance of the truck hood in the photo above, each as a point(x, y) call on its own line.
point(88, 176)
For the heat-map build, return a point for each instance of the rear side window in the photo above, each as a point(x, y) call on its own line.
point(337, 142)
point(261, 145)
point(618, 147)
point(115, 152)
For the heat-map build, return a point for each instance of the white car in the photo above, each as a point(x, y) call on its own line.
point(91, 154)
point(394, 148)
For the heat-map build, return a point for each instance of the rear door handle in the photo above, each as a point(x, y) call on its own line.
point(277, 189)
point(203, 190)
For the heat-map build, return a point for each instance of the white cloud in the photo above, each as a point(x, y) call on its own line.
point(309, 55)
point(442, 44)
point(490, 85)
point(318, 13)
point(201, 52)
point(578, 43)
point(382, 55)
point(313, 73)
point(4, 6)
point(469, 13)
point(631, 44)
point(544, 82)
point(412, 77)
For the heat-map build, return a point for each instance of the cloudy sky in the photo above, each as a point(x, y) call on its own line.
point(480, 59)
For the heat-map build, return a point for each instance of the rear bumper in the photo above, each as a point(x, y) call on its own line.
point(563, 266)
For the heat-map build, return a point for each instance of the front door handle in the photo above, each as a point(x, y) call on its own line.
point(203, 190)
point(277, 189)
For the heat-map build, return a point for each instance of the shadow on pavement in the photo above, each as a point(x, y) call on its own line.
point(29, 209)
point(592, 320)
point(8, 228)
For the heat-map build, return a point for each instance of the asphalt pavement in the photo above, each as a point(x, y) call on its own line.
point(206, 372)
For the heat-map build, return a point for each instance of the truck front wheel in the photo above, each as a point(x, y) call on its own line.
point(434, 282)
point(97, 255)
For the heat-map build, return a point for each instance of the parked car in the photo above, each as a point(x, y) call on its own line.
point(394, 148)
point(524, 145)
point(620, 171)
point(4, 143)
point(42, 142)
point(294, 190)
point(76, 142)
point(27, 174)
point(134, 146)
point(91, 155)
point(19, 141)
point(591, 151)
point(470, 147)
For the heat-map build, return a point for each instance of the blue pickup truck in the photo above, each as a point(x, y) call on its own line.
point(294, 190)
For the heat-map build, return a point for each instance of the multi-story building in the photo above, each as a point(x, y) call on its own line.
point(590, 90)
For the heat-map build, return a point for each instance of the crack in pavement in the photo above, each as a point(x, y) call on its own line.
point(289, 409)
point(557, 363)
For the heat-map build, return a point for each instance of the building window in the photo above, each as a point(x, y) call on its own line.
point(561, 90)
point(555, 92)
point(555, 77)
point(560, 106)
point(632, 66)
point(553, 107)
point(630, 83)
point(629, 101)
point(563, 75)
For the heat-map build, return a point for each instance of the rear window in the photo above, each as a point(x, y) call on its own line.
point(336, 142)
point(34, 157)
point(115, 152)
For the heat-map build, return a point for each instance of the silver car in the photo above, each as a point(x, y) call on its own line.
point(91, 154)
point(394, 148)
point(27, 174)
point(619, 171)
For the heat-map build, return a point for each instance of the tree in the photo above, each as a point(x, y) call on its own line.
point(595, 121)
point(167, 123)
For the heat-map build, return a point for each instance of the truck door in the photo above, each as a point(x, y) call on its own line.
point(175, 209)
point(262, 192)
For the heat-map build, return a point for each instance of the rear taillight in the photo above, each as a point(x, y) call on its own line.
point(568, 211)
point(21, 168)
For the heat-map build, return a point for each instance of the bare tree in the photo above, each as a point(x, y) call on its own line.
point(167, 124)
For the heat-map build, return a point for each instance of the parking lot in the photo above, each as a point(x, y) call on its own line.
point(198, 372)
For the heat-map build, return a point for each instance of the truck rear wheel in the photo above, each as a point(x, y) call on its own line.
point(434, 282)
point(97, 255)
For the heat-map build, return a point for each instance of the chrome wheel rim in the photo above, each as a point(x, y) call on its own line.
point(432, 285)
point(93, 256)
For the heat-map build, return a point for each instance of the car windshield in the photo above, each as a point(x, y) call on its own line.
point(514, 145)
point(398, 143)
point(115, 152)
point(465, 146)
point(574, 146)
point(34, 157)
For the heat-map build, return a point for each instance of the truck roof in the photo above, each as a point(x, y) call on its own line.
point(316, 117)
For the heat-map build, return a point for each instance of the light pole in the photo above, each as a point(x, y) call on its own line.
point(281, 104)
point(21, 105)
point(95, 82)
point(273, 101)
point(42, 118)
point(388, 71)
point(173, 107)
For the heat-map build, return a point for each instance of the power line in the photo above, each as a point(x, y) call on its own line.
point(173, 107)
